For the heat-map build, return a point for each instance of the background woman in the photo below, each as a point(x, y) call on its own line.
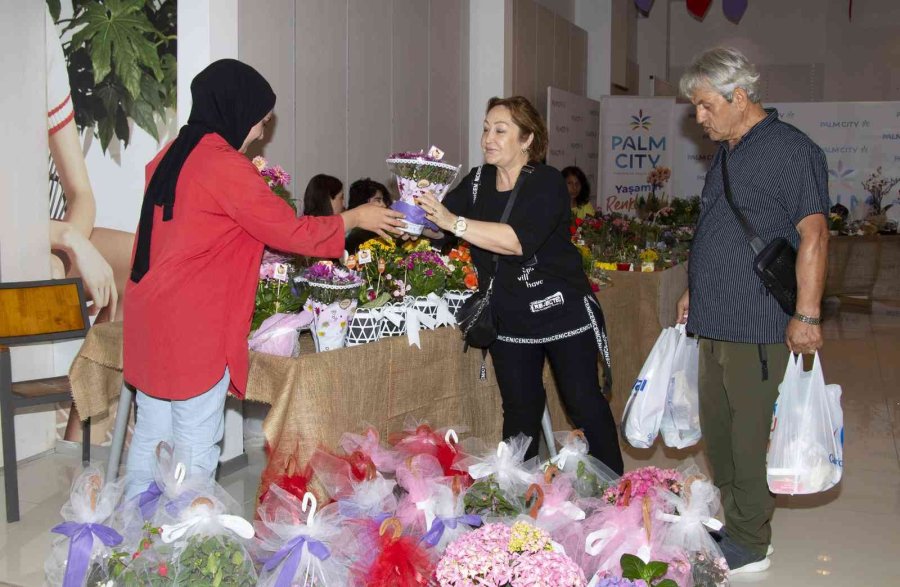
point(206, 217)
point(324, 196)
point(541, 296)
point(365, 191)
point(579, 189)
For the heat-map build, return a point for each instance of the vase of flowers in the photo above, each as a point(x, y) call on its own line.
point(418, 174)
point(333, 293)
point(878, 187)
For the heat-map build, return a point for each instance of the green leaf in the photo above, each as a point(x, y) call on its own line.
point(632, 567)
point(123, 133)
point(142, 113)
point(666, 583)
point(655, 569)
point(54, 7)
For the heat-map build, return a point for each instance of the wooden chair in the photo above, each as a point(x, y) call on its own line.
point(35, 312)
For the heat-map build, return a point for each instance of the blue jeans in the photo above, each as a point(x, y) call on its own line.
point(194, 427)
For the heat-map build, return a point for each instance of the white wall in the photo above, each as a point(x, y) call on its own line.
point(487, 63)
point(807, 50)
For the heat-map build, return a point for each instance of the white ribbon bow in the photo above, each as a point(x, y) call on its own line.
point(502, 466)
point(415, 318)
point(427, 506)
point(444, 315)
point(172, 532)
point(395, 314)
point(566, 509)
point(564, 454)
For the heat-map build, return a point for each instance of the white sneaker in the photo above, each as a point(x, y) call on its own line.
point(770, 551)
point(755, 567)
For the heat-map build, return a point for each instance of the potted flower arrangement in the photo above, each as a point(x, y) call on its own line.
point(648, 257)
point(497, 555)
point(417, 174)
point(333, 292)
point(835, 223)
point(462, 280)
point(277, 179)
point(425, 279)
point(275, 294)
point(376, 261)
point(878, 187)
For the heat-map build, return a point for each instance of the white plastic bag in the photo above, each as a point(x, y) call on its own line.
point(680, 425)
point(806, 442)
point(644, 410)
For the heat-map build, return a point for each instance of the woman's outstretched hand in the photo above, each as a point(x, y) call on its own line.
point(382, 221)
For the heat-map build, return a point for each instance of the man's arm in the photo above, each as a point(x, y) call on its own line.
point(812, 265)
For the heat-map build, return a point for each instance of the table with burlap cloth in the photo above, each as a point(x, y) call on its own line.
point(864, 266)
point(315, 398)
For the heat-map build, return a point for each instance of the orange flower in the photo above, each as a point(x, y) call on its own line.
point(471, 280)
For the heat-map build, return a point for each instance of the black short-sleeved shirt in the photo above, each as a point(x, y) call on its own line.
point(541, 293)
point(778, 177)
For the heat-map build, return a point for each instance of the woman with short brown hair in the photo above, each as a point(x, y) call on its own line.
point(541, 296)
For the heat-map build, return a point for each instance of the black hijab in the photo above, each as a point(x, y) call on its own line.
point(229, 98)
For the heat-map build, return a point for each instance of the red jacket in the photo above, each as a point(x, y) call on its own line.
point(189, 316)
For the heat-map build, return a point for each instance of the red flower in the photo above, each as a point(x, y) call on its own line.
point(595, 287)
point(163, 570)
point(579, 221)
point(573, 229)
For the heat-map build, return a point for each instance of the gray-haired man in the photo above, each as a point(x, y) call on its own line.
point(779, 181)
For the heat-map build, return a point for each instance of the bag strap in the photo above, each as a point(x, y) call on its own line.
point(526, 171)
point(756, 243)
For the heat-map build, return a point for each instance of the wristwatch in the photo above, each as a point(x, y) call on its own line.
point(807, 319)
point(460, 226)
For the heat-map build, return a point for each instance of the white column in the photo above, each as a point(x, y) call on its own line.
point(24, 188)
point(207, 31)
point(488, 39)
point(595, 16)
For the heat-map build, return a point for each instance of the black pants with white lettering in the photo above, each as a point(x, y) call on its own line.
point(519, 369)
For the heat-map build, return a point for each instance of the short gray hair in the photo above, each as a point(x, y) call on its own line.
point(723, 69)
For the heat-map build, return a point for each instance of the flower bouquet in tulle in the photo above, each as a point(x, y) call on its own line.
point(417, 174)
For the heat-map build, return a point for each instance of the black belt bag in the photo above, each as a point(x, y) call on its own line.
point(476, 318)
point(775, 263)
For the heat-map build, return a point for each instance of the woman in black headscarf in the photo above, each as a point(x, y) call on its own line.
point(206, 217)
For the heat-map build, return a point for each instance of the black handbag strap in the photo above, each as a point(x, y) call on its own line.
point(526, 171)
point(756, 243)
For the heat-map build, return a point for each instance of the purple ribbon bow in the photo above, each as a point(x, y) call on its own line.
point(81, 543)
point(148, 500)
point(175, 506)
point(351, 510)
point(293, 550)
point(440, 524)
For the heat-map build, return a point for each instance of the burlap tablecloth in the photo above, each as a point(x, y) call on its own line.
point(866, 266)
point(317, 397)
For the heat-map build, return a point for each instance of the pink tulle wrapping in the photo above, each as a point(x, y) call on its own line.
point(418, 476)
point(369, 443)
point(278, 334)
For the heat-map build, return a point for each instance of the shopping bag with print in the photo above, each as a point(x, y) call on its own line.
point(644, 410)
point(806, 442)
point(680, 425)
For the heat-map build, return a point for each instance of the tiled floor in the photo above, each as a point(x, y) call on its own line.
point(849, 536)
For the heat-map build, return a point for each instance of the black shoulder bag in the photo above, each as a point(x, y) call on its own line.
point(476, 318)
point(775, 263)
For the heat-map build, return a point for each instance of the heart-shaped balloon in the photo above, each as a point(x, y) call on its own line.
point(698, 7)
point(734, 9)
point(644, 5)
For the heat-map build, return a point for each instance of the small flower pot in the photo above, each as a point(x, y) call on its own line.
point(623, 266)
point(365, 327)
point(456, 298)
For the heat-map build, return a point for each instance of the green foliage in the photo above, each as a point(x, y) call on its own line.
point(272, 297)
point(485, 499)
point(121, 61)
point(651, 573)
point(213, 562)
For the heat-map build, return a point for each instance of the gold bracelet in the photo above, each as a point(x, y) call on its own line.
point(807, 319)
